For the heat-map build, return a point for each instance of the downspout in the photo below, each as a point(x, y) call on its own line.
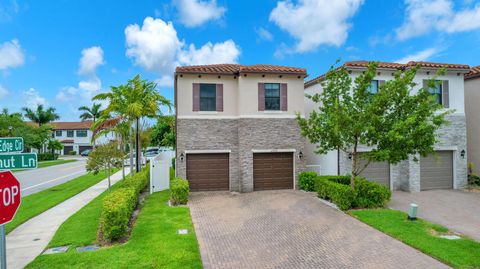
point(176, 120)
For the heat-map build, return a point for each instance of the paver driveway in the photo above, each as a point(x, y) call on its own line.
point(457, 210)
point(291, 229)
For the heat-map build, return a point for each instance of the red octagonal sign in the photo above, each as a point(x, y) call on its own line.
point(9, 196)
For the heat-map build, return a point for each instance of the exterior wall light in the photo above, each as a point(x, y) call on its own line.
point(300, 155)
point(350, 156)
point(462, 154)
point(182, 156)
point(412, 211)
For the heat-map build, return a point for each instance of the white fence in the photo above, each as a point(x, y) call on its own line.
point(160, 172)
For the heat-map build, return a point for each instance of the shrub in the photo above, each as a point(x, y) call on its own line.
point(342, 195)
point(179, 191)
point(473, 179)
point(139, 181)
point(370, 194)
point(306, 180)
point(47, 156)
point(116, 211)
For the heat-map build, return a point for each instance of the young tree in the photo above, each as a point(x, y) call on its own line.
point(163, 133)
point(394, 122)
point(105, 157)
point(53, 145)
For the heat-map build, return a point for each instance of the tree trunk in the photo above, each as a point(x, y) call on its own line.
point(132, 172)
point(94, 140)
point(354, 165)
point(137, 146)
point(108, 172)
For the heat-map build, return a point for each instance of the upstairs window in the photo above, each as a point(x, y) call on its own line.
point(373, 88)
point(208, 97)
point(69, 133)
point(437, 91)
point(58, 133)
point(272, 96)
point(81, 133)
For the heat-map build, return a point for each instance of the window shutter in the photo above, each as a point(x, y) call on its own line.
point(196, 97)
point(283, 97)
point(261, 97)
point(219, 98)
point(445, 94)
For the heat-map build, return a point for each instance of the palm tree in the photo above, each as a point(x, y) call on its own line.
point(133, 101)
point(92, 113)
point(41, 116)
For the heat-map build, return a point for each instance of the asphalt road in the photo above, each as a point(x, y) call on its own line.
point(32, 181)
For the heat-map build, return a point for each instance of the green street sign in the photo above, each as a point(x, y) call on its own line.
point(11, 144)
point(18, 161)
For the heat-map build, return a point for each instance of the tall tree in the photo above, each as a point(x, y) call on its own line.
point(41, 116)
point(163, 133)
point(133, 101)
point(394, 123)
point(90, 113)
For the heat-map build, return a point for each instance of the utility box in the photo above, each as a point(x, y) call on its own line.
point(160, 173)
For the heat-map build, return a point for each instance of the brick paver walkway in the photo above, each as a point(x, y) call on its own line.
point(455, 209)
point(291, 229)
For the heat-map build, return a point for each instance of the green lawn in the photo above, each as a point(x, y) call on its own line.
point(420, 234)
point(37, 203)
point(44, 164)
point(154, 242)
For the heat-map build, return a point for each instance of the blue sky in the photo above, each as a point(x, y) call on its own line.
point(60, 53)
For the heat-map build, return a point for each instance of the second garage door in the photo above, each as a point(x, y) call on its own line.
point(67, 149)
point(208, 172)
point(272, 171)
point(83, 148)
point(436, 171)
point(377, 171)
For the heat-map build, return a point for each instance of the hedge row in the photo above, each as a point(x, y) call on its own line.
point(179, 190)
point(47, 156)
point(366, 194)
point(118, 206)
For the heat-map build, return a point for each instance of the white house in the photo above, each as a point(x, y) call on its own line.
point(447, 168)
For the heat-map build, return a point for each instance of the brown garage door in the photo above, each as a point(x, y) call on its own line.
point(208, 172)
point(272, 171)
point(67, 149)
point(377, 171)
point(436, 171)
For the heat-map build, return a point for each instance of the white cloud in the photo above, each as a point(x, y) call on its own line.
point(264, 34)
point(197, 12)
point(315, 22)
point(67, 94)
point(3, 92)
point(226, 52)
point(423, 55)
point(91, 58)
point(90, 86)
point(32, 98)
point(423, 17)
point(156, 47)
point(8, 9)
point(11, 55)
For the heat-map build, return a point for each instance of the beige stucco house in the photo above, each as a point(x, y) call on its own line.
point(236, 126)
point(472, 112)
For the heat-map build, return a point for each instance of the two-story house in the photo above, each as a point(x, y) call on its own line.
point(77, 136)
point(472, 112)
point(236, 126)
point(447, 168)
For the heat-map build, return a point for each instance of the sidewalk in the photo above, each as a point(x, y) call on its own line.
point(29, 239)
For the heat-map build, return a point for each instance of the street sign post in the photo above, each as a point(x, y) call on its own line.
point(9, 203)
point(18, 161)
point(11, 144)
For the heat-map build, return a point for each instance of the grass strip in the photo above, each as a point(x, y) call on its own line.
point(154, 242)
point(423, 235)
point(44, 164)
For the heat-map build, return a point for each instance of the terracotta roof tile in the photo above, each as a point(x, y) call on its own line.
point(64, 125)
point(474, 73)
point(387, 65)
point(67, 141)
point(235, 69)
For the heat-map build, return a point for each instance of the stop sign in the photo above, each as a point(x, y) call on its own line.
point(9, 196)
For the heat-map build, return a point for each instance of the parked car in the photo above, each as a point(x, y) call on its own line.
point(126, 159)
point(86, 152)
point(149, 155)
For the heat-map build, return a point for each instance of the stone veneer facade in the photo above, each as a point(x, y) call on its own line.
point(406, 174)
point(241, 137)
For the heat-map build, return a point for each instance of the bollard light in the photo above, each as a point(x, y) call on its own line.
point(412, 211)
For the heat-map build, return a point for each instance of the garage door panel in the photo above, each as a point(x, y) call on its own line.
point(208, 171)
point(376, 171)
point(272, 171)
point(436, 171)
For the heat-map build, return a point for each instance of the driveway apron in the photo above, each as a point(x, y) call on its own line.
point(291, 229)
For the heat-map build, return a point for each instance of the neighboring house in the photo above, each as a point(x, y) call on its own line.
point(472, 112)
point(236, 126)
point(446, 169)
point(76, 136)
